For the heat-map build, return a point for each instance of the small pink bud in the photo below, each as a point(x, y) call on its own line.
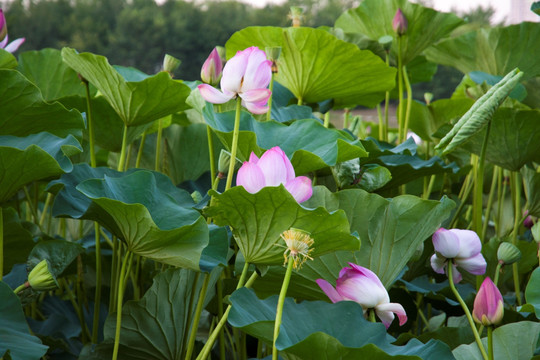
point(528, 222)
point(212, 68)
point(399, 23)
point(488, 304)
point(3, 25)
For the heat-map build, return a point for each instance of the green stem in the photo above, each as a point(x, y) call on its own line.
point(381, 123)
point(409, 103)
point(31, 205)
point(234, 145)
point(220, 314)
point(386, 105)
point(346, 118)
point(490, 200)
point(1, 244)
point(515, 184)
point(400, 90)
point(45, 207)
point(211, 152)
point(271, 88)
point(279, 310)
point(212, 338)
point(327, 119)
point(300, 101)
point(97, 295)
point(114, 274)
point(90, 125)
point(371, 315)
point(21, 287)
point(158, 145)
point(479, 187)
point(123, 151)
point(140, 152)
point(490, 342)
point(196, 319)
point(466, 310)
point(119, 304)
point(429, 187)
point(497, 272)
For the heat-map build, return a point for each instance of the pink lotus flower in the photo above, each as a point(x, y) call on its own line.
point(462, 248)
point(488, 304)
point(12, 46)
point(212, 68)
point(399, 23)
point(364, 287)
point(272, 169)
point(246, 75)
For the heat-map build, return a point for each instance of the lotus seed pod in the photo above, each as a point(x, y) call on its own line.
point(508, 253)
point(41, 278)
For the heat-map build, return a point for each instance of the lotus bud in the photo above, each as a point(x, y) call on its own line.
point(212, 69)
point(488, 304)
point(170, 64)
point(3, 26)
point(428, 97)
point(272, 53)
point(508, 253)
point(41, 278)
point(399, 23)
point(224, 162)
point(296, 16)
point(528, 222)
point(222, 54)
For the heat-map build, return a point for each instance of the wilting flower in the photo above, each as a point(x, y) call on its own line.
point(272, 169)
point(399, 23)
point(12, 46)
point(212, 68)
point(488, 304)
point(41, 278)
point(298, 246)
point(364, 287)
point(247, 75)
point(462, 248)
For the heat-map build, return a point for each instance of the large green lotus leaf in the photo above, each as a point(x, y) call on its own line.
point(34, 157)
point(390, 230)
point(257, 221)
point(50, 74)
point(17, 240)
point(317, 66)
point(136, 103)
point(532, 189)
point(426, 26)
point(319, 330)
point(515, 341)
point(513, 138)
point(15, 335)
point(403, 162)
point(493, 50)
point(7, 60)
point(310, 145)
point(532, 293)
point(156, 327)
point(150, 214)
point(23, 110)
point(59, 253)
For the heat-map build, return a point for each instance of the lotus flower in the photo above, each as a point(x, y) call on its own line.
point(272, 169)
point(212, 68)
point(364, 287)
point(247, 74)
point(399, 23)
point(488, 304)
point(462, 248)
point(12, 46)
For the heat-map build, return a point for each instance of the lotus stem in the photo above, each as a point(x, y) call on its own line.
point(279, 310)
point(234, 145)
point(1, 244)
point(122, 159)
point(386, 103)
point(140, 152)
point(121, 287)
point(327, 119)
point(409, 102)
point(490, 342)
point(271, 88)
point(479, 186)
point(158, 144)
point(381, 122)
point(197, 318)
point(97, 295)
point(490, 200)
point(211, 152)
point(497, 272)
point(400, 90)
point(466, 310)
point(515, 185)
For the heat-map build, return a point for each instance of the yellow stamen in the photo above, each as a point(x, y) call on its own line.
point(298, 246)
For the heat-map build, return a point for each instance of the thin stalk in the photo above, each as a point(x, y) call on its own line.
point(501, 195)
point(490, 342)
point(211, 156)
point(45, 207)
point(490, 200)
point(371, 315)
point(90, 125)
point(327, 119)
point(386, 105)
point(409, 102)
point(128, 157)
point(190, 305)
point(429, 187)
point(220, 315)
point(400, 90)
point(122, 159)
point(271, 88)
point(97, 294)
point(30, 205)
point(211, 340)
point(381, 123)
point(127, 259)
point(461, 206)
point(234, 145)
point(21, 287)
point(497, 272)
point(466, 310)
point(346, 118)
point(300, 102)
point(479, 187)
point(140, 152)
point(1, 244)
point(515, 184)
point(279, 310)
point(114, 274)
point(158, 144)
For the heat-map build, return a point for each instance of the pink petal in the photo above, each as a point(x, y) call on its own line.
point(234, 71)
point(250, 177)
point(2, 20)
point(362, 288)
point(256, 108)
point(456, 275)
point(253, 158)
point(273, 166)
point(469, 243)
point(367, 273)
point(258, 72)
point(256, 95)
point(475, 265)
point(212, 94)
point(300, 188)
point(438, 264)
point(329, 290)
point(385, 313)
point(14, 45)
point(488, 304)
point(4, 42)
point(446, 243)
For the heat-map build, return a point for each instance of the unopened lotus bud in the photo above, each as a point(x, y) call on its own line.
point(399, 23)
point(170, 64)
point(488, 305)
point(212, 69)
point(41, 278)
point(428, 97)
point(224, 162)
point(222, 54)
point(196, 196)
point(3, 26)
point(528, 222)
point(508, 253)
point(296, 16)
point(272, 54)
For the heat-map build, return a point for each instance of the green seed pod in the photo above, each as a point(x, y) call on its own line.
point(41, 278)
point(508, 253)
point(225, 161)
point(170, 63)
